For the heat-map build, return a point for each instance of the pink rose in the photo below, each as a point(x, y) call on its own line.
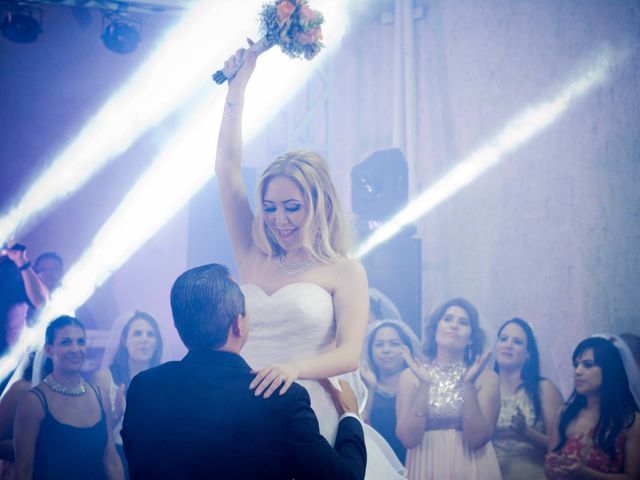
point(285, 9)
point(311, 36)
point(307, 13)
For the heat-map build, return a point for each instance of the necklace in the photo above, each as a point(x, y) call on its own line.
point(291, 268)
point(63, 389)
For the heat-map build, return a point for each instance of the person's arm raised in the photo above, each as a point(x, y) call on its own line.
point(481, 403)
point(412, 403)
point(233, 195)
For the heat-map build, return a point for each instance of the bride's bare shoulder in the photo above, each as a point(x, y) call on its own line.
point(346, 273)
point(349, 266)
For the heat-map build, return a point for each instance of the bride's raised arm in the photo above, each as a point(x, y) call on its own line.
point(235, 204)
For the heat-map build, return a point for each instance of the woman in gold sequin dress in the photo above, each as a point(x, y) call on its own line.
point(529, 404)
point(447, 407)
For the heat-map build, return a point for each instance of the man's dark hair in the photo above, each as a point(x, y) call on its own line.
point(48, 255)
point(205, 302)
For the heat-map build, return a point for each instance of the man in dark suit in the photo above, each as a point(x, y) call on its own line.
point(197, 418)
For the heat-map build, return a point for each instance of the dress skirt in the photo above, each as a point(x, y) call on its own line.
point(442, 454)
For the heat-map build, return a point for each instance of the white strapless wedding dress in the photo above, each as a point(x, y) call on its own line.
point(297, 321)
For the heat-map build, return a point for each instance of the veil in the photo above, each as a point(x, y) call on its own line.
point(630, 367)
point(385, 306)
point(406, 329)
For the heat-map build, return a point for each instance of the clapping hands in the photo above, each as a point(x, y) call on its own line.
point(120, 403)
point(476, 369)
point(418, 369)
point(560, 467)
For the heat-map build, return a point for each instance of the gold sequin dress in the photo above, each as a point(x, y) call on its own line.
point(518, 458)
point(443, 454)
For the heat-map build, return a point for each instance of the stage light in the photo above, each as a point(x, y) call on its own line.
point(121, 35)
point(179, 68)
point(529, 123)
point(20, 24)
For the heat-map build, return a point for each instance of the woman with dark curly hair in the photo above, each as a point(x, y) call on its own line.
point(597, 433)
point(447, 407)
point(529, 403)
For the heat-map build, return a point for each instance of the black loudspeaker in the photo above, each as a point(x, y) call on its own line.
point(208, 238)
point(395, 268)
point(379, 185)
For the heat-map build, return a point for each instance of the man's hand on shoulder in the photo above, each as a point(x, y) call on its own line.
point(344, 398)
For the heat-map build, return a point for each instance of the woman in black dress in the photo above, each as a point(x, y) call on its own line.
point(62, 430)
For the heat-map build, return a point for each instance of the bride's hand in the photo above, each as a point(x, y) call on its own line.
point(273, 376)
point(245, 57)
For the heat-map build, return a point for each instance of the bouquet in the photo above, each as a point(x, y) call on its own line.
point(292, 25)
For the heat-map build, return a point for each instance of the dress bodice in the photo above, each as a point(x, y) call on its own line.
point(445, 396)
point(505, 440)
point(582, 446)
point(296, 321)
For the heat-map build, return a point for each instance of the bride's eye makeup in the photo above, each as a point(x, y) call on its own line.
point(293, 207)
point(268, 208)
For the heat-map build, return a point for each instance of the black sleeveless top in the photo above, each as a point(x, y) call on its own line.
point(64, 451)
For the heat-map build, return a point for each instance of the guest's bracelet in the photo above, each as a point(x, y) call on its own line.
point(24, 266)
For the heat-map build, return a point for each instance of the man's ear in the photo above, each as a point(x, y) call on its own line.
point(238, 327)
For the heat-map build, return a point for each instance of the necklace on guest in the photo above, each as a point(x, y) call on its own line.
point(57, 387)
point(291, 268)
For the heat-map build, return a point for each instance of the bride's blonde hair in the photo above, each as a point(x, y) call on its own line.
point(326, 234)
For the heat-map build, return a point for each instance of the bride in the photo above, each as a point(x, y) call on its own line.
point(306, 300)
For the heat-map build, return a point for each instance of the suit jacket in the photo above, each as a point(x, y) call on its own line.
point(197, 418)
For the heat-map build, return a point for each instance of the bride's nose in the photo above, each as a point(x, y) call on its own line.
point(281, 217)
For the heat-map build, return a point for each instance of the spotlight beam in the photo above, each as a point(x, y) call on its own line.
point(170, 77)
point(519, 130)
point(183, 168)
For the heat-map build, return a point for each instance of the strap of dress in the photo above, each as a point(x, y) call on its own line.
point(43, 400)
point(98, 396)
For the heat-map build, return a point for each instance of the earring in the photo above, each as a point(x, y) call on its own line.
point(467, 353)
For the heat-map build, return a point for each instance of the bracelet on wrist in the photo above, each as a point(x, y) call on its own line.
point(24, 266)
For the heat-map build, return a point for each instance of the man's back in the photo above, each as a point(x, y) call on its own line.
point(198, 419)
